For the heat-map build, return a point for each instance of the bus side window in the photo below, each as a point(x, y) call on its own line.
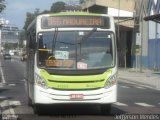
point(40, 41)
point(32, 40)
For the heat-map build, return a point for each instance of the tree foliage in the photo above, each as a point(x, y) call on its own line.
point(45, 12)
point(9, 46)
point(22, 37)
point(81, 1)
point(30, 17)
point(2, 5)
point(57, 7)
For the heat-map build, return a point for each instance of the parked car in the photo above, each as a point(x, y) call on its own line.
point(7, 56)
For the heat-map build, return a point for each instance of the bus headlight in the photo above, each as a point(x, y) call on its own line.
point(40, 81)
point(111, 81)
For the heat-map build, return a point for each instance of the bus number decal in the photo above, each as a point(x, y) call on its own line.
point(82, 65)
point(59, 63)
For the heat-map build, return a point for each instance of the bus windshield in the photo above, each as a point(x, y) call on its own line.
point(74, 50)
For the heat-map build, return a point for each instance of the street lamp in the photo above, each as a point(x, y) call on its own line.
point(1, 25)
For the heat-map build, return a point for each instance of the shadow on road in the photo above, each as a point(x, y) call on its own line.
point(74, 110)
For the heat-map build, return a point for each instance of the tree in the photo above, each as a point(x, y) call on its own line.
point(2, 5)
point(30, 17)
point(9, 46)
point(22, 37)
point(81, 1)
point(45, 12)
point(57, 7)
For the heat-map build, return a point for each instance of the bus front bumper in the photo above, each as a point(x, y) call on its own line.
point(51, 96)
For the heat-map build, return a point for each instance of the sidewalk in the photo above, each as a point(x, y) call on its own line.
point(146, 78)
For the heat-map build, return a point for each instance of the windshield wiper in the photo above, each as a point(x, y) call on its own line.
point(85, 37)
point(54, 41)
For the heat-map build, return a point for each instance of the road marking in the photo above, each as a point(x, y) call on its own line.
point(140, 87)
point(11, 84)
point(3, 103)
point(1, 85)
point(144, 104)
point(7, 110)
point(14, 103)
point(120, 104)
point(137, 84)
point(23, 80)
point(1, 71)
point(3, 97)
point(124, 86)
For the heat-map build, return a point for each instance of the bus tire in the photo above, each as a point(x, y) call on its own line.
point(37, 109)
point(105, 109)
point(29, 101)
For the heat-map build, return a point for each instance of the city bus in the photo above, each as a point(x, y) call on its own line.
point(72, 59)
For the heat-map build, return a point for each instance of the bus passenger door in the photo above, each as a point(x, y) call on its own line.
point(30, 66)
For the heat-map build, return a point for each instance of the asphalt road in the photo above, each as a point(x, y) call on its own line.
point(132, 99)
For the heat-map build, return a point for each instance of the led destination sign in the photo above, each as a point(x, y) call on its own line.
point(75, 21)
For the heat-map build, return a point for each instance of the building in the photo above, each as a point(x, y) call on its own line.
point(139, 30)
point(72, 8)
point(8, 34)
point(152, 19)
point(123, 12)
point(148, 19)
point(140, 51)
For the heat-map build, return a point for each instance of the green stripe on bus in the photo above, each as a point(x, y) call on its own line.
point(76, 82)
point(74, 13)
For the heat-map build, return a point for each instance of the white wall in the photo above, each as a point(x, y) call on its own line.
point(122, 13)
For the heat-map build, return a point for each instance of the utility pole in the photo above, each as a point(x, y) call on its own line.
point(118, 16)
point(118, 24)
point(142, 35)
point(0, 38)
point(156, 47)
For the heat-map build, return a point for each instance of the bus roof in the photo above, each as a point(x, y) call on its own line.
point(75, 13)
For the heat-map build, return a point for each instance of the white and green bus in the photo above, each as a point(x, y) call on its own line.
point(72, 59)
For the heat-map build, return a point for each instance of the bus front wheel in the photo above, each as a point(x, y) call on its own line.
point(38, 109)
point(29, 101)
point(106, 109)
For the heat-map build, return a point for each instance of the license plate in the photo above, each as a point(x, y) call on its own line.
point(76, 96)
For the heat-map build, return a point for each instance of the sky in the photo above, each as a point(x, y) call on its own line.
point(16, 10)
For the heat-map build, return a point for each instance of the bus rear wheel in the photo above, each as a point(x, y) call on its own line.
point(106, 109)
